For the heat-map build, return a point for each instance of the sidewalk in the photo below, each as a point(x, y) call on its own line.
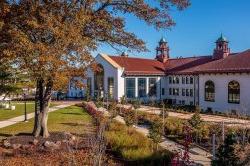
point(198, 155)
point(18, 119)
point(208, 118)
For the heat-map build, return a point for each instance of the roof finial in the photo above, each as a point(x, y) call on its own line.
point(221, 38)
point(163, 40)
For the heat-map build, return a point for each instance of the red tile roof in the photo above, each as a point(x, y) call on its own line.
point(236, 63)
point(139, 66)
point(193, 65)
point(185, 65)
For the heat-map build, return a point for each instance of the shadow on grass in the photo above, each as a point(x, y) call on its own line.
point(24, 134)
point(71, 113)
point(5, 135)
point(73, 124)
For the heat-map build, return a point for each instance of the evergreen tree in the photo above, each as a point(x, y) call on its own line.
point(8, 81)
point(226, 153)
point(195, 120)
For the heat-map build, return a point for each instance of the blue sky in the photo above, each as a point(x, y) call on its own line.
point(197, 28)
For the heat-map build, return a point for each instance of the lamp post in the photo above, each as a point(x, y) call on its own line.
point(25, 108)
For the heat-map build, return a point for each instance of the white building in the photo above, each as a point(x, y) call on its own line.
point(220, 82)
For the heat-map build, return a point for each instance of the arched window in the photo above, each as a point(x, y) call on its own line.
point(209, 91)
point(234, 92)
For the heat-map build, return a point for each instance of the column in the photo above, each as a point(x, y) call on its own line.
point(136, 87)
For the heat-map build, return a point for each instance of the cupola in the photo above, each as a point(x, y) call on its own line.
point(222, 50)
point(162, 51)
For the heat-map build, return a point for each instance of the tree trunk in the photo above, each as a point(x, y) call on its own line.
point(42, 100)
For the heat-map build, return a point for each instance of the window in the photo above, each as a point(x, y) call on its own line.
point(234, 92)
point(152, 87)
point(170, 91)
point(177, 80)
point(170, 80)
point(174, 101)
point(209, 91)
point(191, 92)
point(183, 102)
point(89, 85)
point(130, 87)
point(162, 91)
point(187, 92)
point(187, 80)
point(183, 92)
point(141, 87)
point(176, 91)
point(191, 80)
point(111, 87)
point(191, 103)
point(183, 80)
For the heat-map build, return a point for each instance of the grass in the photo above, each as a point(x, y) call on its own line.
point(7, 114)
point(72, 119)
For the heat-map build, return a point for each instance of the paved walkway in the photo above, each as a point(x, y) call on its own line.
point(198, 155)
point(208, 118)
point(18, 119)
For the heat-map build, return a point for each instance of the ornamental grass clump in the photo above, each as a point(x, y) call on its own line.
point(132, 146)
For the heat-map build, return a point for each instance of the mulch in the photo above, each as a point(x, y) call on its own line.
point(30, 154)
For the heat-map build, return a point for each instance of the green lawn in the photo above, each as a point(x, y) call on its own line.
point(72, 119)
point(7, 114)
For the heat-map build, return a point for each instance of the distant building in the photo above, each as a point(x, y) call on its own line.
point(219, 82)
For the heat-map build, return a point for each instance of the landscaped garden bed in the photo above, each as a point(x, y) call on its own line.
point(72, 130)
point(126, 144)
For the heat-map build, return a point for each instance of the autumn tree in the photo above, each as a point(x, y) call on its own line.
point(53, 40)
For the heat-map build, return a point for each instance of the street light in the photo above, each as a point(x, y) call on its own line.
point(25, 108)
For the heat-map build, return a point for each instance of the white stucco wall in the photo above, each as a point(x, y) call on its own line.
point(221, 92)
point(109, 71)
point(120, 86)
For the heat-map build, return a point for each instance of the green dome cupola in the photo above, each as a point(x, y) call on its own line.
point(221, 39)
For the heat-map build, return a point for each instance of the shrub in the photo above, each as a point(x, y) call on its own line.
point(130, 117)
point(87, 96)
point(174, 126)
point(156, 131)
point(226, 152)
point(136, 104)
point(195, 120)
point(201, 132)
point(123, 100)
point(112, 109)
point(99, 102)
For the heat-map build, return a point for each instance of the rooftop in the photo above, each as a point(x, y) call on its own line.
point(236, 62)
